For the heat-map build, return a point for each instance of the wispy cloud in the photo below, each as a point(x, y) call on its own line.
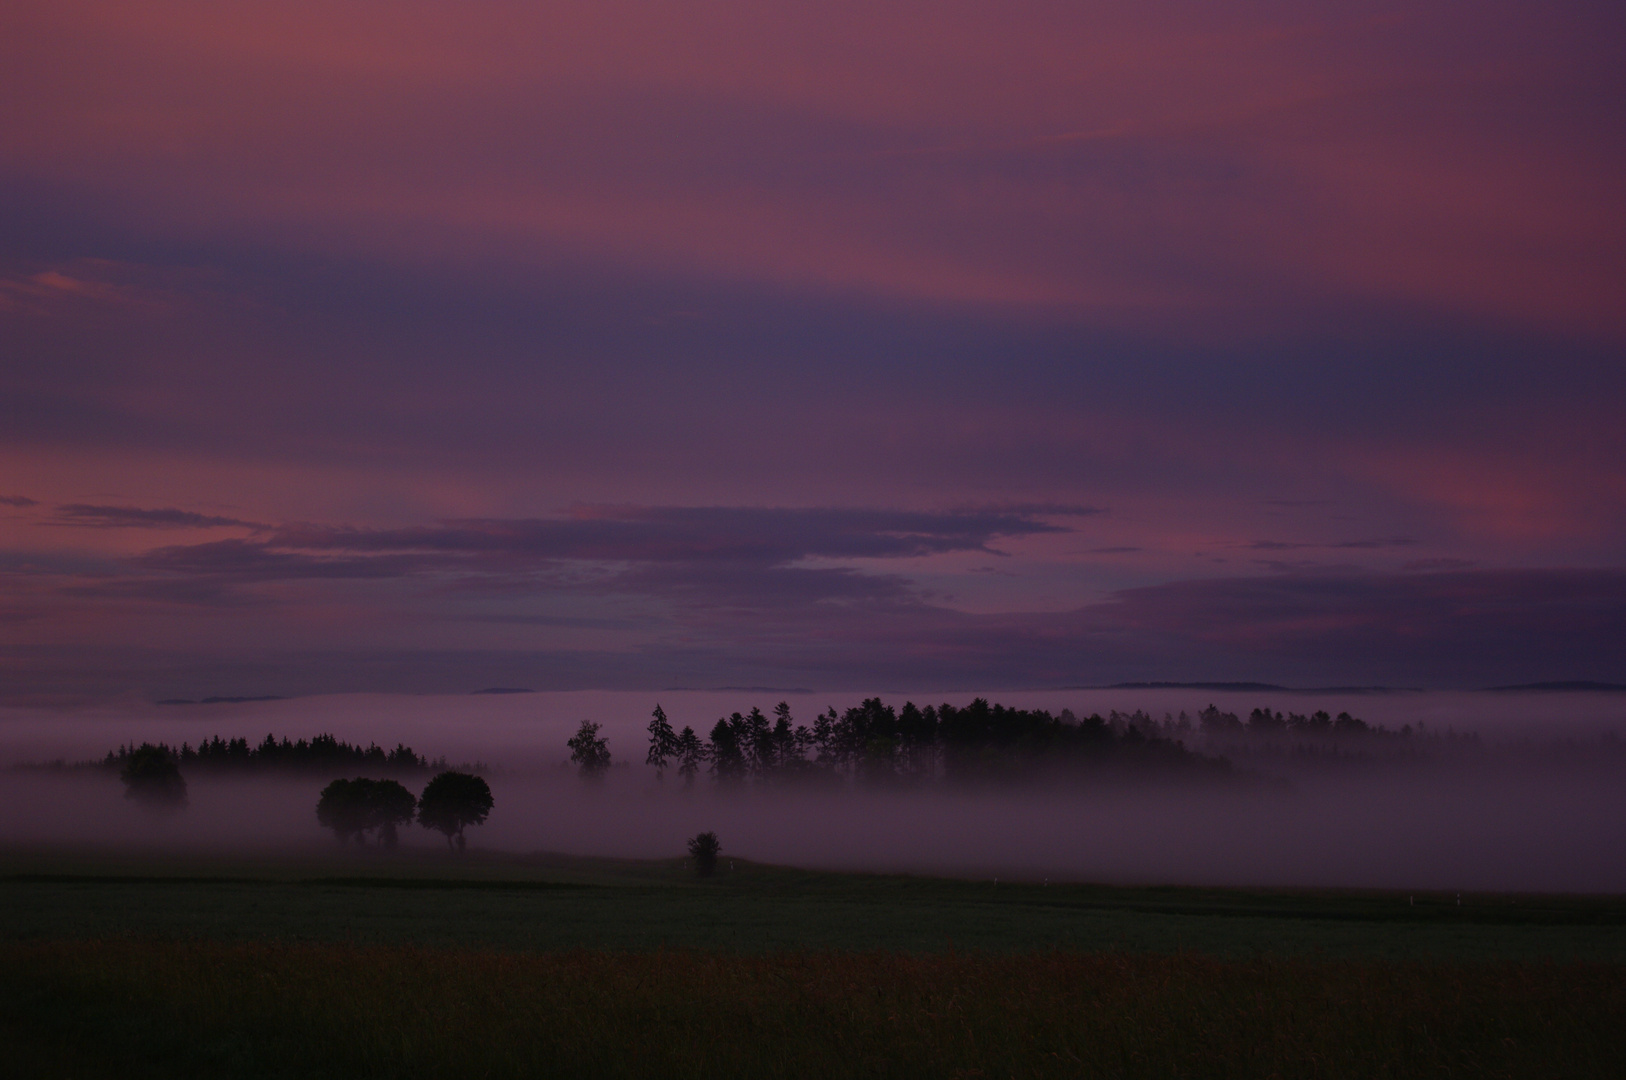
point(83, 515)
point(748, 535)
point(93, 280)
point(1340, 545)
point(699, 559)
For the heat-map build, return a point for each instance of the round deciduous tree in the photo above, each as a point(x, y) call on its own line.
point(388, 805)
point(356, 807)
point(343, 808)
point(152, 776)
point(452, 801)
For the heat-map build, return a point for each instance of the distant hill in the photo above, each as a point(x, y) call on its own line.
point(741, 689)
point(219, 700)
point(1256, 686)
point(506, 690)
point(1250, 688)
point(1573, 684)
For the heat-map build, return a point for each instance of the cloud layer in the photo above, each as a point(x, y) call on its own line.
point(1041, 343)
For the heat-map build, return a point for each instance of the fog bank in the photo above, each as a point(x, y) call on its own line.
point(1500, 823)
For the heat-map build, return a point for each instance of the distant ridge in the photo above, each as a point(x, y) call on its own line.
point(506, 690)
point(219, 700)
point(1573, 684)
point(1252, 687)
point(741, 689)
point(1184, 686)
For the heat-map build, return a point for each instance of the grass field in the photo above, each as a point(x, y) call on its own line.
point(252, 1010)
point(491, 965)
point(551, 903)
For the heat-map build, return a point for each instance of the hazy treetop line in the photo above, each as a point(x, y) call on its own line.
point(321, 753)
point(875, 741)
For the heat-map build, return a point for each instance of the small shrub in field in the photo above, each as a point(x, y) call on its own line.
point(704, 848)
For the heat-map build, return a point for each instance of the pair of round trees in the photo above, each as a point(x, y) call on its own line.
point(452, 801)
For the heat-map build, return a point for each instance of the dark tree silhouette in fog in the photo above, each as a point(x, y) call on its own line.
point(342, 807)
point(355, 807)
point(691, 752)
point(704, 848)
point(452, 801)
point(727, 749)
point(389, 805)
point(152, 777)
point(589, 750)
point(663, 742)
point(324, 752)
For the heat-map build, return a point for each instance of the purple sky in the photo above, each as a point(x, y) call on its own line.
point(430, 346)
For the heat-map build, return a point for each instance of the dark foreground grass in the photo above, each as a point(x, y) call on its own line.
point(254, 1009)
point(552, 904)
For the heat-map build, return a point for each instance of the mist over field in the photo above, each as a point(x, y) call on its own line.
point(1535, 802)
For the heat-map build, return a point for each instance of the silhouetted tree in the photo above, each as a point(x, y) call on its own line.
point(917, 731)
point(342, 807)
point(691, 752)
point(356, 807)
point(323, 752)
point(789, 741)
point(152, 777)
point(1263, 720)
point(452, 801)
point(589, 750)
point(663, 742)
point(825, 740)
point(756, 742)
point(726, 754)
point(389, 805)
point(1347, 724)
point(1215, 722)
point(704, 848)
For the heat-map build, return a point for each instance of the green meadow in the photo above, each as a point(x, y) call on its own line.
point(427, 964)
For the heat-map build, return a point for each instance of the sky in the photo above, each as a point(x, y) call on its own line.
point(424, 347)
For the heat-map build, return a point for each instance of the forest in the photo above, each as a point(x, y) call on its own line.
point(319, 754)
point(873, 743)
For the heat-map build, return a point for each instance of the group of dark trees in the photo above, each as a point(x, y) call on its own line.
point(1265, 722)
point(151, 777)
point(451, 802)
point(324, 753)
point(874, 743)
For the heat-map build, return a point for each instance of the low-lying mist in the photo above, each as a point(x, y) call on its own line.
point(1506, 816)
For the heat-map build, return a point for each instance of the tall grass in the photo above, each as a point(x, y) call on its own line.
point(133, 1009)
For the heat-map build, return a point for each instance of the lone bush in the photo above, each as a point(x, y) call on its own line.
point(704, 848)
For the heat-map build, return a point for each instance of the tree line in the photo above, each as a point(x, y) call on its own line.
point(320, 754)
point(352, 809)
point(1319, 723)
point(873, 743)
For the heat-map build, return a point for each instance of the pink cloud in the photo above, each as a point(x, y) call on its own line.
point(1126, 164)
